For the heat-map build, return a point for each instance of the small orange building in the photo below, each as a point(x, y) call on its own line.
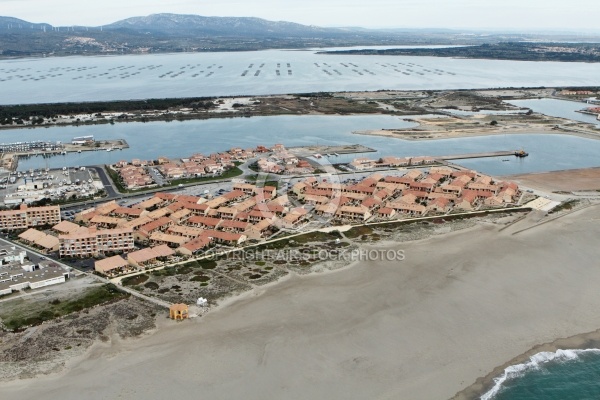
point(178, 311)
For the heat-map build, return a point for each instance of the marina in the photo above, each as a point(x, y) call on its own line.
point(11, 153)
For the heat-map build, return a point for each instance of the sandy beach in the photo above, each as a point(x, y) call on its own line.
point(427, 327)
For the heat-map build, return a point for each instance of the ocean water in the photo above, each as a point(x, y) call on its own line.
point(565, 374)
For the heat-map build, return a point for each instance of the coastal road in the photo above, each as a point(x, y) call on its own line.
point(106, 181)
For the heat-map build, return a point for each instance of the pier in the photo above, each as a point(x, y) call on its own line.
point(517, 153)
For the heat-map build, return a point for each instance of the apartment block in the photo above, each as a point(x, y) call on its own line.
point(26, 217)
point(95, 242)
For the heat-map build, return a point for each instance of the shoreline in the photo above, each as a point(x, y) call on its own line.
point(483, 384)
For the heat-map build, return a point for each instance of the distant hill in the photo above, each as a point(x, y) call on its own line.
point(182, 25)
point(10, 24)
point(159, 33)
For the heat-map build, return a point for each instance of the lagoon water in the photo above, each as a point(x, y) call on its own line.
point(81, 78)
point(179, 139)
point(559, 108)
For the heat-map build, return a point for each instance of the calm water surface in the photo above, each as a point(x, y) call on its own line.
point(253, 73)
point(180, 139)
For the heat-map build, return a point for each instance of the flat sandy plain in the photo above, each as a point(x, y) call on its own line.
point(458, 306)
point(567, 181)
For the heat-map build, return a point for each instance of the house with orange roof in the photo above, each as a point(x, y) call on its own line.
point(194, 246)
point(466, 201)
point(128, 213)
point(204, 222)
point(158, 238)
point(259, 213)
point(112, 266)
point(180, 216)
point(247, 188)
point(327, 210)
point(445, 171)
point(150, 203)
point(160, 224)
point(65, 227)
point(440, 205)
point(410, 209)
point(227, 212)
point(258, 230)
point(149, 256)
point(187, 231)
point(104, 221)
point(136, 223)
point(40, 240)
point(227, 238)
point(393, 162)
point(371, 203)
point(234, 226)
point(385, 212)
point(355, 213)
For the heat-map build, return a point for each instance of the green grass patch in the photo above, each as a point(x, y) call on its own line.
point(134, 280)
point(151, 285)
point(184, 269)
point(567, 205)
point(207, 264)
point(200, 278)
point(316, 237)
point(358, 231)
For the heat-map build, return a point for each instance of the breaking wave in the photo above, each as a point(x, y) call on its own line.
point(535, 362)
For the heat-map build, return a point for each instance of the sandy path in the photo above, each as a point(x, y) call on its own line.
point(424, 328)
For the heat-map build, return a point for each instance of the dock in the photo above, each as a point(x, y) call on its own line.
point(506, 153)
point(10, 153)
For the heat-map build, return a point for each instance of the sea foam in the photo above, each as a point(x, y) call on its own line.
point(535, 361)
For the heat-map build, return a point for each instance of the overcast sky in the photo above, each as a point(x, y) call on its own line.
point(465, 14)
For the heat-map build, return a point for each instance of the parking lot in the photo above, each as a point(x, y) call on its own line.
point(60, 184)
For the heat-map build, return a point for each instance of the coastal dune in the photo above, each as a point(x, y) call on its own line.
point(458, 306)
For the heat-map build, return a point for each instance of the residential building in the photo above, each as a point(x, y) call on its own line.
point(95, 242)
point(26, 217)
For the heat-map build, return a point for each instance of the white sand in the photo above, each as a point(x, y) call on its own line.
point(425, 328)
